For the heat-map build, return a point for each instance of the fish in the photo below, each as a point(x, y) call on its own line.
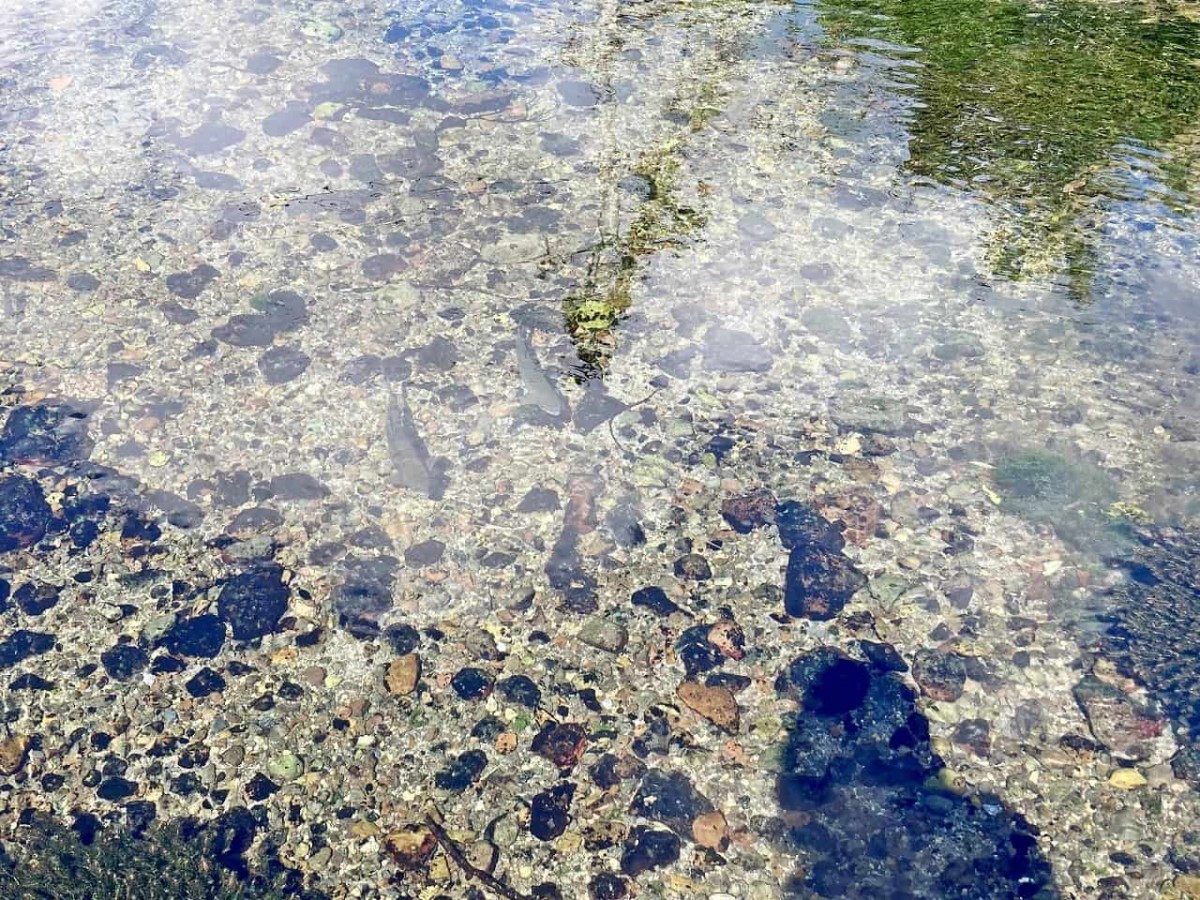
point(540, 391)
point(410, 455)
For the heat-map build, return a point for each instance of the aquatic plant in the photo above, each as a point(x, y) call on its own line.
point(1078, 499)
point(1038, 107)
point(182, 860)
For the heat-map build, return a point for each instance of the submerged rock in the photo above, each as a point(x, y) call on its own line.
point(52, 433)
point(671, 799)
point(819, 583)
point(254, 602)
point(858, 753)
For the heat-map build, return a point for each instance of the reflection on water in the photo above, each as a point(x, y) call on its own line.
point(1052, 111)
point(581, 449)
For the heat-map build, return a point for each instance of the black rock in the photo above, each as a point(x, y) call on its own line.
point(205, 682)
point(254, 602)
point(471, 683)
point(298, 486)
point(260, 787)
point(607, 887)
point(520, 689)
point(24, 513)
point(189, 285)
point(33, 600)
point(550, 811)
point(30, 681)
point(488, 729)
point(654, 599)
point(693, 567)
point(801, 525)
point(280, 365)
point(462, 771)
point(539, 500)
point(402, 638)
point(561, 743)
point(426, 553)
point(696, 653)
point(124, 661)
point(940, 675)
point(114, 789)
point(670, 799)
point(819, 583)
point(365, 593)
point(610, 770)
point(45, 432)
point(21, 645)
point(647, 849)
point(201, 636)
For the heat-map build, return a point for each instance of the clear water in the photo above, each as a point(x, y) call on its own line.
point(470, 317)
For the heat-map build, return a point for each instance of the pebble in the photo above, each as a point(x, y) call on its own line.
point(604, 634)
point(716, 704)
point(712, 831)
point(654, 599)
point(13, 752)
point(403, 674)
point(471, 683)
point(462, 771)
point(286, 766)
point(693, 567)
point(562, 743)
point(1127, 779)
point(647, 849)
point(550, 811)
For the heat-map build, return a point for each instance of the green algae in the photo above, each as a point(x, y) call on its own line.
point(182, 860)
point(1039, 108)
point(1079, 500)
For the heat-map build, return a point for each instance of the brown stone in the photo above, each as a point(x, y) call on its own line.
point(13, 751)
point(711, 830)
point(403, 674)
point(714, 703)
point(411, 846)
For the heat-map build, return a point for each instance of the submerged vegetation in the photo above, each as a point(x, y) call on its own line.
point(183, 860)
point(1048, 109)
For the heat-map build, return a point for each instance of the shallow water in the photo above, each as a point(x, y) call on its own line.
point(863, 334)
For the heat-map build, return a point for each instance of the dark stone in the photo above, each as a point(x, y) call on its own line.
point(610, 770)
point(33, 600)
point(726, 350)
point(472, 684)
point(539, 500)
point(520, 689)
point(462, 772)
point(654, 599)
point(693, 567)
point(426, 553)
point(83, 282)
point(31, 681)
point(124, 661)
point(735, 684)
point(255, 520)
point(695, 651)
point(205, 682)
point(940, 675)
point(858, 752)
point(801, 525)
point(190, 285)
point(975, 734)
point(647, 849)
point(382, 266)
point(280, 365)
point(561, 743)
point(578, 93)
point(402, 638)
point(671, 800)
point(819, 583)
point(298, 486)
point(488, 729)
point(21, 645)
point(365, 593)
point(201, 636)
point(246, 330)
point(292, 117)
point(624, 524)
point(260, 787)
point(45, 433)
point(254, 602)
point(607, 887)
point(211, 137)
point(114, 789)
point(549, 813)
point(746, 512)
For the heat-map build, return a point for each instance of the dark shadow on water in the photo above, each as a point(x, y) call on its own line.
point(871, 810)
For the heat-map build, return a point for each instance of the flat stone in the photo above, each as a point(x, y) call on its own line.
point(403, 674)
